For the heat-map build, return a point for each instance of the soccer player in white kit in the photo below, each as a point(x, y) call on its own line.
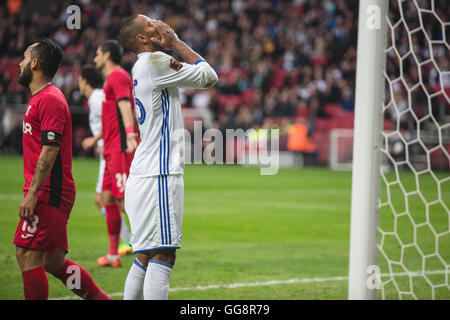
point(155, 189)
point(90, 83)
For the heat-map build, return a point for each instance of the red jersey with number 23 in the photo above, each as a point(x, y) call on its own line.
point(47, 121)
point(118, 86)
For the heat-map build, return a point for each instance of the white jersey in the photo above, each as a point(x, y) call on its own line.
point(156, 79)
point(95, 114)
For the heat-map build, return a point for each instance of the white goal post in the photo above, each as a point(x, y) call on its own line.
point(367, 142)
point(400, 216)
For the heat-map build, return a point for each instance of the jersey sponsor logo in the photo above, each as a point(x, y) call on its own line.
point(26, 128)
point(135, 82)
point(175, 65)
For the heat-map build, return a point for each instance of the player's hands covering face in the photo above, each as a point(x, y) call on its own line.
point(169, 38)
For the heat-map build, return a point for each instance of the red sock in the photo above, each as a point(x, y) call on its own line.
point(80, 281)
point(113, 244)
point(35, 284)
point(113, 223)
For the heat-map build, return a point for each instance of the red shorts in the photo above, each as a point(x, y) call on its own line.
point(47, 232)
point(117, 168)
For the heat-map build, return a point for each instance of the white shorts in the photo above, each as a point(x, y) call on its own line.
point(101, 171)
point(154, 206)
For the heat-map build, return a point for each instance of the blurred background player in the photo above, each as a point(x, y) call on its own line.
point(90, 83)
point(41, 236)
point(119, 129)
point(154, 192)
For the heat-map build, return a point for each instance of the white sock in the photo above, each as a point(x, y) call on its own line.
point(125, 233)
point(112, 257)
point(156, 283)
point(135, 282)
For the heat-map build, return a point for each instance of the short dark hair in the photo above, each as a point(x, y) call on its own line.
point(92, 76)
point(114, 48)
point(49, 55)
point(128, 33)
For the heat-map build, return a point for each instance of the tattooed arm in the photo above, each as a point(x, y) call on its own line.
point(43, 168)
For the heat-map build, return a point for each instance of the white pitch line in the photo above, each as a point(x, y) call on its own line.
point(266, 283)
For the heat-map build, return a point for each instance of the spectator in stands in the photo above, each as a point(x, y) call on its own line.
point(299, 142)
point(348, 99)
point(286, 51)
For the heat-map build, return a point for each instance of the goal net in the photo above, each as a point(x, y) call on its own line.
point(409, 229)
point(414, 230)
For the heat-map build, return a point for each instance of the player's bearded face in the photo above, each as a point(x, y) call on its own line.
point(26, 76)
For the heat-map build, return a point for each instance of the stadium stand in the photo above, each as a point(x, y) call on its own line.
point(292, 60)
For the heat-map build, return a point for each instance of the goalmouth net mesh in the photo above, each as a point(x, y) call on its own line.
point(414, 231)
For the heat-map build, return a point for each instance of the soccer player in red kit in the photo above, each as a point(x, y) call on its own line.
point(119, 131)
point(41, 236)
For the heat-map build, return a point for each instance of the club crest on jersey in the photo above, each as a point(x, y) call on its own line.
point(175, 65)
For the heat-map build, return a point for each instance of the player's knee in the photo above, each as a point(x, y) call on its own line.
point(50, 267)
point(54, 261)
point(20, 254)
point(28, 258)
point(107, 198)
point(163, 255)
point(143, 258)
point(166, 255)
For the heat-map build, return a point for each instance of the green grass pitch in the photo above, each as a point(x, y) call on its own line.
point(244, 235)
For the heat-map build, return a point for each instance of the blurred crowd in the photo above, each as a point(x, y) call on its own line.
point(277, 60)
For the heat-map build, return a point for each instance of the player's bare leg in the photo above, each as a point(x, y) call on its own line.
point(107, 198)
point(149, 276)
point(28, 258)
point(167, 256)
